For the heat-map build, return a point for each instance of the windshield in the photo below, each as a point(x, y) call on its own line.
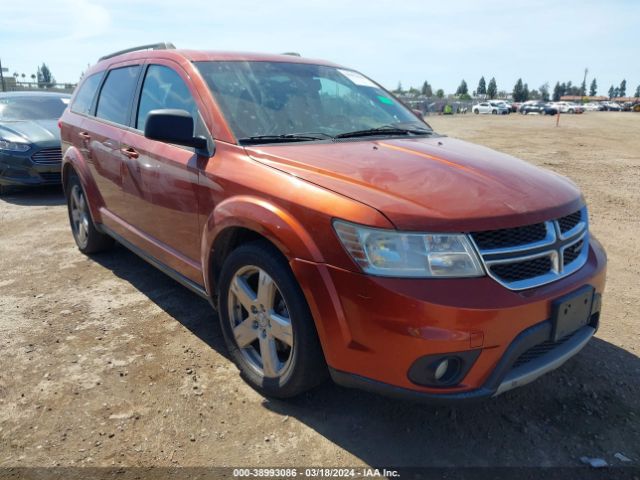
point(275, 99)
point(32, 108)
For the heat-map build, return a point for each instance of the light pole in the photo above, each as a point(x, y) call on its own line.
point(2, 70)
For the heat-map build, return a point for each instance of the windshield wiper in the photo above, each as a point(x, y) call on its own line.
point(386, 130)
point(287, 137)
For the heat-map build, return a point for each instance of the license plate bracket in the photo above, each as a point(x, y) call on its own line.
point(571, 312)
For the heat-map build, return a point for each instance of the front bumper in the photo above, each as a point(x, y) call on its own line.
point(373, 329)
point(19, 168)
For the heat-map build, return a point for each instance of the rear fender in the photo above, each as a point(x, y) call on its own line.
point(74, 161)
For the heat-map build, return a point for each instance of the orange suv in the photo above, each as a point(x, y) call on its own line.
point(333, 230)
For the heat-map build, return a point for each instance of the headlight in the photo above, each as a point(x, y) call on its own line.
point(390, 253)
point(13, 146)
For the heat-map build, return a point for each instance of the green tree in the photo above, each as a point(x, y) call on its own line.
point(398, 88)
point(637, 91)
point(611, 91)
point(462, 88)
point(482, 87)
point(583, 88)
point(440, 93)
point(557, 92)
point(492, 89)
point(544, 92)
point(518, 91)
point(525, 92)
point(593, 89)
point(426, 89)
point(623, 88)
point(45, 77)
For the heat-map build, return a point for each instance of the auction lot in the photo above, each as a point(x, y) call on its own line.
point(105, 361)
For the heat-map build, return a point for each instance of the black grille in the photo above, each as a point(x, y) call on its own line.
point(570, 221)
point(540, 350)
point(510, 237)
point(572, 252)
point(48, 156)
point(512, 272)
point(51, 176)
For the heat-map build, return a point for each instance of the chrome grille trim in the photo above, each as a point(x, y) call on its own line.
point(553, 247)
point(47, 156)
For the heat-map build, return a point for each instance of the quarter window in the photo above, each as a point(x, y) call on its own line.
point(117, 93)
point(164, 88)
point(84, 98)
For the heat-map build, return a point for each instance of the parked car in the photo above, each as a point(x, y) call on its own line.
point(592, 107)
point(30, 139)
point(335, 232)
point(551, 108)
point(569, 107)
point(612, 107)
point(503, 108)
point(489, 108)
point(537, 107)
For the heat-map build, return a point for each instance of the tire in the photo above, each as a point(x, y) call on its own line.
point(476, 111)
point(257, 291)
point(87, 237)
point(571, 110)
point(494, 112)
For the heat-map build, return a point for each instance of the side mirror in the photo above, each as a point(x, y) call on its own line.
point(173, 126)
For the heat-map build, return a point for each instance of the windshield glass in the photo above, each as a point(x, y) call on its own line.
point(278, 98)
point(32, 108)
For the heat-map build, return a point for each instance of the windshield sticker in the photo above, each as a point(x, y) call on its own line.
point(386, 100)
point(358, 79)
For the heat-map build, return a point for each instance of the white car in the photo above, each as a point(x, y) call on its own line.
point(569, 107)
point(492, 107)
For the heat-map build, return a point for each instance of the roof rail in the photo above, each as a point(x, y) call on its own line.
point(152, 46)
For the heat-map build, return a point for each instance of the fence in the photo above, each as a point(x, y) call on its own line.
point(11, 85)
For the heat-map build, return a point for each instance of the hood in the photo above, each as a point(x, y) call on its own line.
point(435, 183)
point(33, 131)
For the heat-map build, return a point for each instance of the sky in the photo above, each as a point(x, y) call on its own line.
point(406, 41)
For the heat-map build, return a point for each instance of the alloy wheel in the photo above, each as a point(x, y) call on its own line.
point(79, 216)
point(260, 321)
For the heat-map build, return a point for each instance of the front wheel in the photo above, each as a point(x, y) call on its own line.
point(571, 110)
point(494, 112)
point(267, 324)
point(476, 111)
point(87, 237)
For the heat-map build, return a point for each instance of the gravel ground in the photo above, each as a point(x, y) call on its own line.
point(104, 361)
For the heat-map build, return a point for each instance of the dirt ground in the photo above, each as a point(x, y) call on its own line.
point(105, 361)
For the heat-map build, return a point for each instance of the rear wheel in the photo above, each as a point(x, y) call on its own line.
point(476, 111)
point(88, 239)
point(494, 112)
point(266, 323)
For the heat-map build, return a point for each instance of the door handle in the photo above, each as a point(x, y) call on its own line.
point(84, 136)
point(129, 152)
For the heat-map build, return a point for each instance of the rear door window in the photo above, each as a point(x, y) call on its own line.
point(87, 92)
point(116, 95)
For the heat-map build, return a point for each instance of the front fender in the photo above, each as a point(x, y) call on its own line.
point(264, 218)
point(74, 160)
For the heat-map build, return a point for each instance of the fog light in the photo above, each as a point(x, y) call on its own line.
point(441, 369)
